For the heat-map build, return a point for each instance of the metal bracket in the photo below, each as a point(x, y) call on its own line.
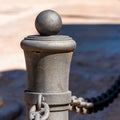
point(56, 101)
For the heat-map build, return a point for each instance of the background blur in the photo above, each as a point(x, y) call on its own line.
point(93, 24)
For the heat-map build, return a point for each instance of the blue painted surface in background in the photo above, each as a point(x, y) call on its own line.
point(93, 37)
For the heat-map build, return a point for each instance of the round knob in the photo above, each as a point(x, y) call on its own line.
point(48, 22)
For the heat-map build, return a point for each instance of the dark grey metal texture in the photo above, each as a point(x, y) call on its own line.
point(48, 61)
point(48, 22)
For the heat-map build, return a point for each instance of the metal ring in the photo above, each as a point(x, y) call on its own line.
point(46, 112)
point(45, 109)
point(38, 104)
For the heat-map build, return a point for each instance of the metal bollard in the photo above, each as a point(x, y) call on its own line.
point(48, 57)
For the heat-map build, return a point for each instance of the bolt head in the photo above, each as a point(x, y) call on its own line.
point(48, 23)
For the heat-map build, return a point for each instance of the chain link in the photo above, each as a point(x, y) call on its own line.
point(79, 105)
point(40, 111)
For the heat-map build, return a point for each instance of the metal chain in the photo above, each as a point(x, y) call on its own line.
point(40, 111)
point(95, 104)
point(79, 105)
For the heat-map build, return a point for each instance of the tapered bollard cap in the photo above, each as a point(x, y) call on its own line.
point(48, 23)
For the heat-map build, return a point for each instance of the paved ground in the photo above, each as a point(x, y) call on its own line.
point(96, 59)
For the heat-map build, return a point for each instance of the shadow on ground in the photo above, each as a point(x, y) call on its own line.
point(12, 86)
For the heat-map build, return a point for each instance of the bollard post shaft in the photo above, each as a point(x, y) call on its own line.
point(48, 57)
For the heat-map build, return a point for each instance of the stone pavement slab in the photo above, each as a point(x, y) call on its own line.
point(90, 12)
point(12, 10)
point(87, 11)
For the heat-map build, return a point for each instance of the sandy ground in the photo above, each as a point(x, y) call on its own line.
point(17, 21)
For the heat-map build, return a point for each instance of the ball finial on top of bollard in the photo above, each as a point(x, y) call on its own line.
point(48, 22)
